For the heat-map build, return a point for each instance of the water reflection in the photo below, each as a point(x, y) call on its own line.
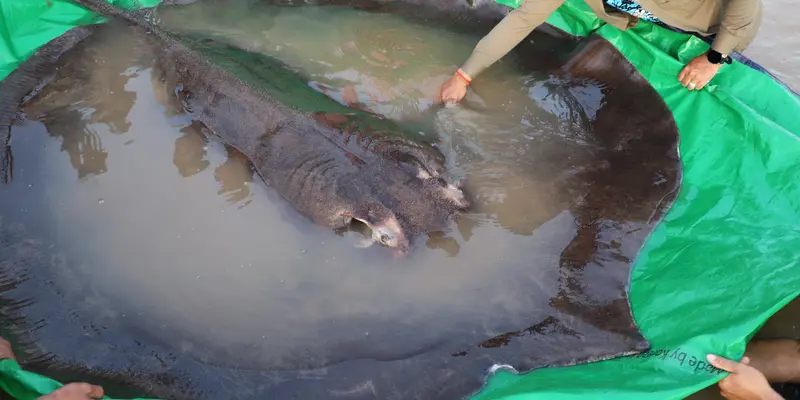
point(78, 139)
point(626, 197)
point(190, 150)
point(73, 119)
point(234, 177)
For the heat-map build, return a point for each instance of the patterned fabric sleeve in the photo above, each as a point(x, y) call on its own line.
point(632, 8)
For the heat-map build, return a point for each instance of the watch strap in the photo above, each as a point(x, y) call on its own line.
point(715, 57)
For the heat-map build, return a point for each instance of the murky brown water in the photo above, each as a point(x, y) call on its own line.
point(775, 48)
point(375, 61)
point(173, 228)
point(166, 234)
point(175, 258)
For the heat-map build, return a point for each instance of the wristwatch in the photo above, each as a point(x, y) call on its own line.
point(715, 57)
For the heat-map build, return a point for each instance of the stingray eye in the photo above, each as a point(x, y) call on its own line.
point(385, 238)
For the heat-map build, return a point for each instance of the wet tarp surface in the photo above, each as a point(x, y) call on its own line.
point(721, 262)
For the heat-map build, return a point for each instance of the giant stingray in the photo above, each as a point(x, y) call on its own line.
point(620, 202)
point(395, 187)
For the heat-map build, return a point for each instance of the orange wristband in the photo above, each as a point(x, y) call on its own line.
point(463, 76)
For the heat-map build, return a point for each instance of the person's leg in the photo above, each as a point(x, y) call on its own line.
point(777, 359)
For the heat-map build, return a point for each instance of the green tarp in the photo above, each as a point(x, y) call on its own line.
point(722, 261)
point(26, 25)
point(726, 256)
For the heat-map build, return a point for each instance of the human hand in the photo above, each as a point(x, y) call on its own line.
point(72, 391)
point(698, 72)
point(75, 391)
point(744, 381)
point(454, 89)
point(5, 350)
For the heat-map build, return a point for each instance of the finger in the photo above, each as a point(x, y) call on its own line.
point(745, 360)
point(722, 363)
point(84, 389)
point(692, 85)
point(687, 78)
point(6, 352)
point(96, 392)
point(701, 83)
point(443, 90)
point(692, 78)
point(683, 73)
point(724, 384)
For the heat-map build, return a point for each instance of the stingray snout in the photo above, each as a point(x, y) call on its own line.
point(389, 233)
point(384, 226)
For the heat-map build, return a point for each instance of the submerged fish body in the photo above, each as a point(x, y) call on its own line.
point(330, 175)
point(333, 176)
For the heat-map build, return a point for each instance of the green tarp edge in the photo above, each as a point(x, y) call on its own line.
point(26, 25)
point(26, 385)
point(712, 272)
point(725, 257)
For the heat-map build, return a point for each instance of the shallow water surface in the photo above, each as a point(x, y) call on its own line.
point(777, 45)
point(374, 61)
point(174, 263)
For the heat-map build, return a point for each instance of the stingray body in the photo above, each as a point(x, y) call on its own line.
point(616, 199)
point(327, 172)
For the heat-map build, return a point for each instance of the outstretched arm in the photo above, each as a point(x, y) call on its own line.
point(518, 24)
point(499, 42)
point(738, 18)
